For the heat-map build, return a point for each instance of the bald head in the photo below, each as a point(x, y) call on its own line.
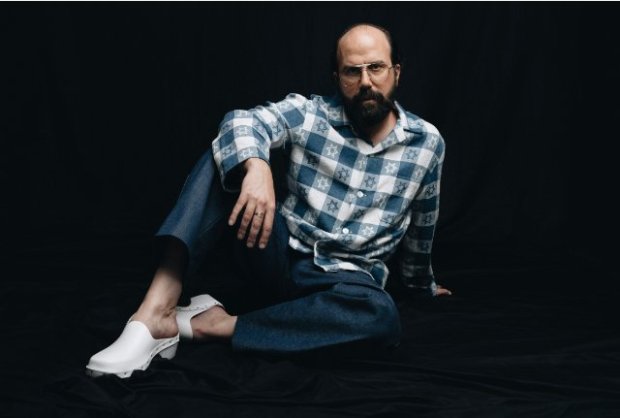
point(365, 36)
point(363, 44)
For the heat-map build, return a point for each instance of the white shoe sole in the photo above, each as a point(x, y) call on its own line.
point(134, 350)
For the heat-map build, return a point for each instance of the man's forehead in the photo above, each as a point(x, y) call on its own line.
point(364, 40)
point(363, 33)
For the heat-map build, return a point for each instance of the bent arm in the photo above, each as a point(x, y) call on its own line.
point(241, 153)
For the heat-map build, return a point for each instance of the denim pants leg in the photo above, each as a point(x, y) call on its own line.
point(317, 309)
point(268, 267)
point(199, 220)
point(330, 308)
point(199, 216)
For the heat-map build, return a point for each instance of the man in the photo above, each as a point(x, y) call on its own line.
point(363, 177)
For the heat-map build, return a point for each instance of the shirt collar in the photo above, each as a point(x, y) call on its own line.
point(335, 112)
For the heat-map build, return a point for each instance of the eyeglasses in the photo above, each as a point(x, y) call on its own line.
point(376, 72)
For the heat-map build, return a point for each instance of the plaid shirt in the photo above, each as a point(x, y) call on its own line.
point(349, 203)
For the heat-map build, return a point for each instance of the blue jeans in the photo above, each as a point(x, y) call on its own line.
point(315, 309)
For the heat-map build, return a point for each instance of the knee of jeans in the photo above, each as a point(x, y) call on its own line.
point(381, 319)
point(388, 318)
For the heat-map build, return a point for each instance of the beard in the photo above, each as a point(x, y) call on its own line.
point(368, 108)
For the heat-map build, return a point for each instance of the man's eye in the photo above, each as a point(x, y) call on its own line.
point(375, 68)
point(351, 71)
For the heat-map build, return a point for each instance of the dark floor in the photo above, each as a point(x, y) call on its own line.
point(520, 337)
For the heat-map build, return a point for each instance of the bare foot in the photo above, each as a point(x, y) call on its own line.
point(161, 323)
point(214, 323)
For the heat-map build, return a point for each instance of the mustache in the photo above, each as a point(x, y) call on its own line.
point(368, 94)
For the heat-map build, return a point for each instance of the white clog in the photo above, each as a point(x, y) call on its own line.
point(133, 350)
point(198, 304)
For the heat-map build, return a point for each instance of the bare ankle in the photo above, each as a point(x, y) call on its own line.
point(157, 308)
point(214, 324)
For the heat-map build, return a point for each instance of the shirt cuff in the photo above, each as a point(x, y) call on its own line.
point(425, 287)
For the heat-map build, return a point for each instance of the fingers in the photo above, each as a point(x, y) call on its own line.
point(267, 228)
point(241, 201)
point(246, 219)
point(256, 221)
point(443, 291)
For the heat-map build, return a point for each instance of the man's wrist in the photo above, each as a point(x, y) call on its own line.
point(253, 162)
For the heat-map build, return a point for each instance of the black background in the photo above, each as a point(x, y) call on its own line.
point(108, 106)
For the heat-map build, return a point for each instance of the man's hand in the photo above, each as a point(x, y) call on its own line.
point(441, 291)
point(257, 200)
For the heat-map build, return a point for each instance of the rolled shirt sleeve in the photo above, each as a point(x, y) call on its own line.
point(245, 134)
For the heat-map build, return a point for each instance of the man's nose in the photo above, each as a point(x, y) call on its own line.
point(365, 78)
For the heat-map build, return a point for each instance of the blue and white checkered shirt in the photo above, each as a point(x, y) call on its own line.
point(349, 203)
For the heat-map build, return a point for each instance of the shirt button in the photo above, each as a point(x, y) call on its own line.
point(345, 230)
point(360, 194)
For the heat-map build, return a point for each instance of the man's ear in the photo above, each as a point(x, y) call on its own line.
point(397, 73)
point(335, 75)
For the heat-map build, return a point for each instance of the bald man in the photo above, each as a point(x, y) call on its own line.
point(363, 179)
